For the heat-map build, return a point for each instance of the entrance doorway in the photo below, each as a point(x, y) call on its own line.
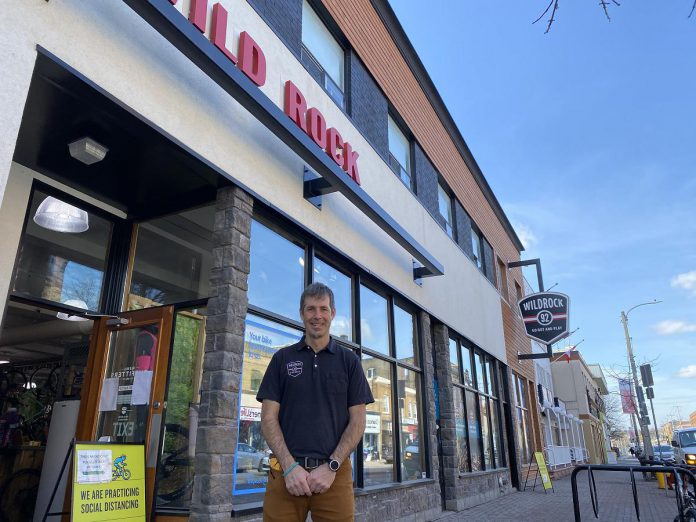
point(125, 390)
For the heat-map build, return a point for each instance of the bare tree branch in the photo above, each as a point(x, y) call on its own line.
point(546, 11)
point(552, 18)
point(693, 7)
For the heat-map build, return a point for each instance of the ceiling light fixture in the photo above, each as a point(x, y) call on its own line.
point(57, 215)
point(87, 150)
point(4, 361)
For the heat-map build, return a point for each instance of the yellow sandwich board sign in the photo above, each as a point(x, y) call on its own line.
point(543, 471)
point(108, 482)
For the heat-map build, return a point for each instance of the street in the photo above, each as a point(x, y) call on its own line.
point(614, 495)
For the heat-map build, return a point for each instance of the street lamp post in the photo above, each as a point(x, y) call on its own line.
point(644, 430)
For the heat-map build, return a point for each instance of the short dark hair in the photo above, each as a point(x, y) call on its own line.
point(317, 290)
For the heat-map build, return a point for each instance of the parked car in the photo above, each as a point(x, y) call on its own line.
point(684, 444)
point(248, 458)
point(664, 452)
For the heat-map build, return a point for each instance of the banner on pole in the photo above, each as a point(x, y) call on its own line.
point(627, 403)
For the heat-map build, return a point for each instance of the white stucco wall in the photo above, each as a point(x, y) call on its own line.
point(111, 45)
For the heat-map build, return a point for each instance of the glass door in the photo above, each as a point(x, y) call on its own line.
point(128, 365)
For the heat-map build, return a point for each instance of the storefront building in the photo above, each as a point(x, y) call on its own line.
point(172, 174)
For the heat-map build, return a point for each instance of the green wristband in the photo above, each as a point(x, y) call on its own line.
point(285, 473)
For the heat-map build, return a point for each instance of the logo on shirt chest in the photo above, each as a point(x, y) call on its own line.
point(295, 368)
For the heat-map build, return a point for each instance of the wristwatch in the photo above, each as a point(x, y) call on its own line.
point(334, 465)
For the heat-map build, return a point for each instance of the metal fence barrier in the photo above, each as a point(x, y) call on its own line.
point(676, 470)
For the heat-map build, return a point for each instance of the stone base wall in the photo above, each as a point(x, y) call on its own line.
point(415, 503)
point(473, 489)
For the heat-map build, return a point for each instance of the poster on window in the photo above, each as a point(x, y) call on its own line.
point(261, 340)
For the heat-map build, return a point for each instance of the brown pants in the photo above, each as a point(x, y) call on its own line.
point(336, 505)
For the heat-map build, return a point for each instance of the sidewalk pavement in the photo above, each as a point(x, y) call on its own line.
point(613, 491)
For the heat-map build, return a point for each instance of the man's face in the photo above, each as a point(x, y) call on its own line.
point(317, 316)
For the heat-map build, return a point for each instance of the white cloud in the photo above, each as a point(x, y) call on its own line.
point(673, 327)
point(526, 235)
point(687, 281)
point(688, 372)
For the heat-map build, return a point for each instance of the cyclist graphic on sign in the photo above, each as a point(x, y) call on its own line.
point(120, 469)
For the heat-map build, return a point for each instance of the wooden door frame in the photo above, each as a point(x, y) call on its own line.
point(88, 414)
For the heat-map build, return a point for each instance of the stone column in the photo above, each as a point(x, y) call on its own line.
point(429, 403)
point(224, 348)
point(448, 431)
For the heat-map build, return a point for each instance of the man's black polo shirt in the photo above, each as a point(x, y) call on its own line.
point(314, 392)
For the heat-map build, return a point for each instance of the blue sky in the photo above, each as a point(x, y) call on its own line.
point(587, 136)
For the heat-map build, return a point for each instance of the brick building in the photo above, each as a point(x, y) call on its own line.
point(173, 174)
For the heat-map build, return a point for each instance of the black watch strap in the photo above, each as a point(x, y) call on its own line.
point(334, 465)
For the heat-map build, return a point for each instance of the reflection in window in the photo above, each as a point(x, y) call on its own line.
point(378, 442)
point(176, 467)
point(399, 152)
point(466, 367)
point(444, 205)
point(325, 52)
point(64, 267)
point(485, 432)
point(454, 362)
point(474, 430)
point(262, 339)
point(374, 333)
point(173, 257)
point(412, 463)
point(404, 335)
point(460, 426)
point(495, 430)
point(340, 284)
point(480, 368)
point(276, 279)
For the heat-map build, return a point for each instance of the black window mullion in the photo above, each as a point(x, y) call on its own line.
point(396, 415)
point(359, 455)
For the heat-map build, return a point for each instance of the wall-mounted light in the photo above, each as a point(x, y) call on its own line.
point(4, 361)
point(87, 150)
point(57, 215)
point(75, 303)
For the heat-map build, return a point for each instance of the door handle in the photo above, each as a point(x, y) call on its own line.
point(157, 405)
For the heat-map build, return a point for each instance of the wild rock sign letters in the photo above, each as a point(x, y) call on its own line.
point(251, 60)
point(545, 316)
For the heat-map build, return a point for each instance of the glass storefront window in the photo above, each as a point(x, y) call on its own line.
point(404, 335)
point(495, 430)
point(474, 430)
point(489, 377)
point(485, 432)
point(454, 361)
point(59, 266)
point(462, 440)
point(340, 284)
point(262, 338)
point(277, 273)
point(466, 367)
point(173, 257)
point(374, 332)
point(378, 442)
point(176, 467)
point(412, 458)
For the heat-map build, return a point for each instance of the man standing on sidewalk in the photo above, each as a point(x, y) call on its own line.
point(312, 416)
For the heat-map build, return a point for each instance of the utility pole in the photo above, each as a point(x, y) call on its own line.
point(643, 408)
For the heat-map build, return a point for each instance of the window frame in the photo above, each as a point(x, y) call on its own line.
point(395, 165)
point(493, 395)
point(443, 190)
point(307, 54)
